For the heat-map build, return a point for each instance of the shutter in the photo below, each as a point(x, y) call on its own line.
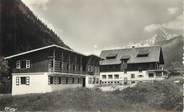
point(49, 80)
point(27, 63)
point(18, 64)
point(27, 80)
point(17, 80)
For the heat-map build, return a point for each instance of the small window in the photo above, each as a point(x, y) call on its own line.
point(151, 75)
point(132, 75)
point(51, 80)
point(23, 80)
point(111, 56)
point(116, 76)
point(132, 82)
point(23, 64)
point(143, 53)
point(103, 76)
point(140, 76)
point(158, 74)
point(110, 76)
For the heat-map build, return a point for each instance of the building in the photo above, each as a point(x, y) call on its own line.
point(52, 68)
point(132, 65)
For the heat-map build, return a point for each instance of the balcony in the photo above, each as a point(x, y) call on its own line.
point(64, 67)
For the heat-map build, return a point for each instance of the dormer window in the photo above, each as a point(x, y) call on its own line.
point(143, 53)
point(111, 56)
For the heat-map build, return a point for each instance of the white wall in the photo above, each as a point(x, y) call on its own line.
point(127, 75)
point(92, 85)
point(38, 83)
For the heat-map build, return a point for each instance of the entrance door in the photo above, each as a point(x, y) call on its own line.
point(83, 82)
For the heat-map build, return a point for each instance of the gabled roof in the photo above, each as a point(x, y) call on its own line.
point(42, 48)
point(154, 54)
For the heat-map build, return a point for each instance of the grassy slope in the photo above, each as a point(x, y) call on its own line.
point(157, 96)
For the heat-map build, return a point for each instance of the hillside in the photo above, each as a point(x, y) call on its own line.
point(21, 30)
point(145, 97)
point(172, 50)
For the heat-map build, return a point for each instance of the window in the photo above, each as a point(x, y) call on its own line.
point(143, 53)
point(151, 75)
point(103, 76)
point(132, 75)
point(110, 76)
point(132, 82)
point(111, 56)
point(51, 80)
point(159, 74)
point(116, 76)
point(22, 64)
point(22, 80)
point(140, 76)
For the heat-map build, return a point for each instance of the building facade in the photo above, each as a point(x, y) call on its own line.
point(132, 65)
point(52, 68)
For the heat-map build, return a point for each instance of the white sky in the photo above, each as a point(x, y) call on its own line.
point(88, 26)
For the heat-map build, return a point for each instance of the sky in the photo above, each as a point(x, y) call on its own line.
point(89, 26)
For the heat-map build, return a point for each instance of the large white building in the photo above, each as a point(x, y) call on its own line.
point(132, 65)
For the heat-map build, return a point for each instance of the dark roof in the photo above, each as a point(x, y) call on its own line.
point(46, 47)
point(154, 54)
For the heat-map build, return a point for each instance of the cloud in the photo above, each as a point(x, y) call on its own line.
point(172, 10)
point(36, 2)
point(152, 27)
point(41, 3)
point(95, 46)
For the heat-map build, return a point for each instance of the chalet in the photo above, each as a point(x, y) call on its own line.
point(52, 68)
point(132, 65)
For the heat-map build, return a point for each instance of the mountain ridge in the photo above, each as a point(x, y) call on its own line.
point(21, 30)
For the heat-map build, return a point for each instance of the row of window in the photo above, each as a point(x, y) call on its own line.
point(116, 76)
point(110, 76)
point(23, 64)
point(64, 80)
point(116, 82)
point(23, 80)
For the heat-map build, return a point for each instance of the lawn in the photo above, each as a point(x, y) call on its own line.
point(145, 97)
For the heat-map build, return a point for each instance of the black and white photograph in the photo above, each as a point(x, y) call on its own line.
point(91, 55)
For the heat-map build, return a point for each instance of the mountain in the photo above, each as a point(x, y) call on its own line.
point(21, 30)
point(171, 43)
point(172, 50)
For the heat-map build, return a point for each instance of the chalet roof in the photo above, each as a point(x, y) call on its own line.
point(131, 54)
point(42, 48)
